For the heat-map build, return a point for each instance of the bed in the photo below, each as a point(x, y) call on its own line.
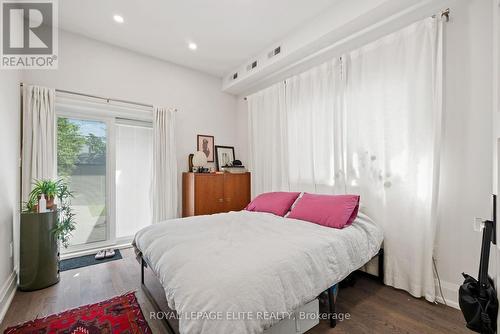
point(244, 272)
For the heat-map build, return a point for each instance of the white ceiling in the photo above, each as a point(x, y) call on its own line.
point(227, 32)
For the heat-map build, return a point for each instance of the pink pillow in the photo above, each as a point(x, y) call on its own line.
point(328, 210)
point(278, 203)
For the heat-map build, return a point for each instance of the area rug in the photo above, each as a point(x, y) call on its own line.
point(120, 314)
point(86, 260)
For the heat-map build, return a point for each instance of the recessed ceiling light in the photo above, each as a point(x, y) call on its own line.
point(118, 18)
point(192, 46)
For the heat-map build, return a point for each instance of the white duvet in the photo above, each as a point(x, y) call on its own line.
point(238, 272)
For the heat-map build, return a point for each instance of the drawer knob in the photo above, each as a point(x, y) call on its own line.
point(221, 200)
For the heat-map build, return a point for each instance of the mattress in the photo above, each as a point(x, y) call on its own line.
point(243, 272)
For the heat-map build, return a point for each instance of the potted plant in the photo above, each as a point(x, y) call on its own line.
point(42, 233)
point(54, 189)
point(47, 187)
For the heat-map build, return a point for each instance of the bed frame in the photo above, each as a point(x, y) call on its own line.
point(332, 292)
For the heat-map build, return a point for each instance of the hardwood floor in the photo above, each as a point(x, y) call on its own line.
point(381, 309)
point(373, 308)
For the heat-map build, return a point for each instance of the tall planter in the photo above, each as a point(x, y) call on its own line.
point(39, 251)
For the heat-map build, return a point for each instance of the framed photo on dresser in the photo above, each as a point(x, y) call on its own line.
point(224, 156)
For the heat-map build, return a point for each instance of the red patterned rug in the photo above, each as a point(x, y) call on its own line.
point(117, 315)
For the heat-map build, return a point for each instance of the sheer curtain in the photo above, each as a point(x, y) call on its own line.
point(39, 136)
point(134, 175)
point(375, 130)
point(313, 114)
point(295, 133)
point(164, 165)
point(268, 140)
point(393, 122)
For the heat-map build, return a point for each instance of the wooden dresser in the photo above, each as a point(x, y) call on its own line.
point(204, 194)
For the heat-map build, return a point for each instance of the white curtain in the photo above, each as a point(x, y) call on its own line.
point(165, 185)
point(39, 136)
point(393, 123)
point(313, 113)
point(268, 140)
point(295, 133)
point(373, 128)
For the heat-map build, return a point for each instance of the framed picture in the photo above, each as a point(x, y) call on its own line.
point(206, 145)
point(224, 156)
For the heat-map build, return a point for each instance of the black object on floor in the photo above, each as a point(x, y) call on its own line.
point(86, 260)
point(478, 298)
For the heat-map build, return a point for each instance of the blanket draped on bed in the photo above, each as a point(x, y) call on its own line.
point(241, 272)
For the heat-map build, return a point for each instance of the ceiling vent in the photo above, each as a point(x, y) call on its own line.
point(252, 66)
point(274, 52)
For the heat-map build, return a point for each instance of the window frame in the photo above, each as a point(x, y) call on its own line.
point(110, 114)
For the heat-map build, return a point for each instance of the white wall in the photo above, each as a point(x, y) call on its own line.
point(466, 177)
point(93, 67)
point(9, 179)
point(467, 161)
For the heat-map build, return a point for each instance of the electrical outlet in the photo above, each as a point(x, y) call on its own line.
point(11, 250)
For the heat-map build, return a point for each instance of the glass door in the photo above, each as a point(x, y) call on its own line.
point(108, 163)
point(83, 161)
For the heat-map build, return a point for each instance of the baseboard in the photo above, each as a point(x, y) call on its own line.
point(7, 292)
point(450, 293)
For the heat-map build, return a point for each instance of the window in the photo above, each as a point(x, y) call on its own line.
point(106, 156)
point(81, 160)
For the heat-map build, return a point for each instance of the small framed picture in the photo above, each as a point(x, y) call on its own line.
point(206, 145)
point(224, 156)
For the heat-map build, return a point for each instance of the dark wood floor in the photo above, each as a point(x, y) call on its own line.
point(373, 308)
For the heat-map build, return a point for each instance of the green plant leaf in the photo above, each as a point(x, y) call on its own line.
point(59, 189)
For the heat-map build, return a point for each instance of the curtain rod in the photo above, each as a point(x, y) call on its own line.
point(107, 99)
point(446, 14)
